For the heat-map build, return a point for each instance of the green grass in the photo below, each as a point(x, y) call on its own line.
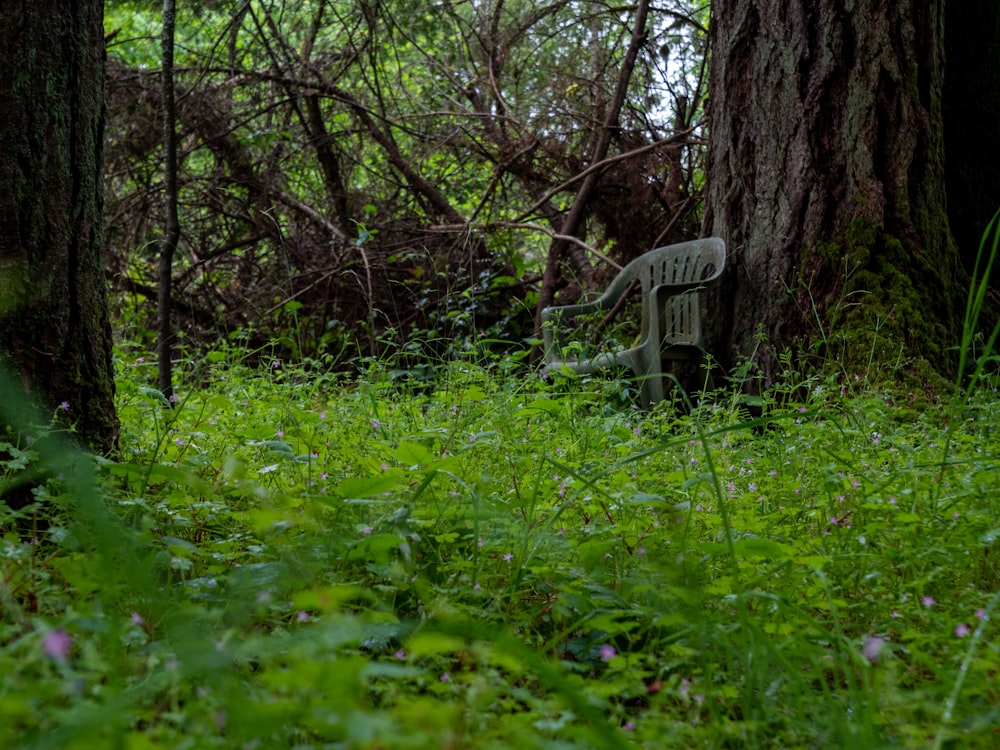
point(288, 559)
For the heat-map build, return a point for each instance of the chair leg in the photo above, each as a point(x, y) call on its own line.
point(652, 388)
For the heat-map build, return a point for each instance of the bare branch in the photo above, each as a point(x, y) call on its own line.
point(527, 225)
point(681, 137)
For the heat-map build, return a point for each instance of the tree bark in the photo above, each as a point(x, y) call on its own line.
point(826, 179)
point(171, 223)
point(54, 323)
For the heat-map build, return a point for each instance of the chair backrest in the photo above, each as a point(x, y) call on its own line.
point(668, 314)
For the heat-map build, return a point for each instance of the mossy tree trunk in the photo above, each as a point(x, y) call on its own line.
point(54, 326)
point(826, 179)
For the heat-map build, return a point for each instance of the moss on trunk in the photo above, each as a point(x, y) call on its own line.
point(826, 179)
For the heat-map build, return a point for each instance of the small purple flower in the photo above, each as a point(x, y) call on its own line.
point(376, 424)
point(366, 531)
point(137, 619)
point(445, 676)
point(608, 652)
point(174, 398)
point(961, 630)
point(57, 644)
point(322, 415)
point(873, 648)
point(508, 556)
point(685, 689)
point(400, 654)
point(64, 406)
point(302, 616)
point(928, 601)
point(981, 614)
point(280, 433)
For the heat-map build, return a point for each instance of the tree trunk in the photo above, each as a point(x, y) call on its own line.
point(826, 179)
point(971, 114)
point(171, 223)
point(54, 325)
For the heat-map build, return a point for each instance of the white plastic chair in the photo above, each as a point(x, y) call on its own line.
point(669, 279)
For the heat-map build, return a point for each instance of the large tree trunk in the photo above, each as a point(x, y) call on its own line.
point(54, 326)
point(971, 117)
point(826, 179)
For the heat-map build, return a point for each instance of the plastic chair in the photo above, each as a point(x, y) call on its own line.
point(669, 278)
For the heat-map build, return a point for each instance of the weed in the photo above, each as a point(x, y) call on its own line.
point(482, 559)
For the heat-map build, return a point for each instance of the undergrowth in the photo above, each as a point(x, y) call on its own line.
point(286, 559)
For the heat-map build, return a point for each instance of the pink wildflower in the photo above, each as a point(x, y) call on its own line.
point(57, 644)
point(873, 648)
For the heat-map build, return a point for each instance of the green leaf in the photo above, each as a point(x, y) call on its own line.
point(360, 487)
point(539, 405)
point(413, 454)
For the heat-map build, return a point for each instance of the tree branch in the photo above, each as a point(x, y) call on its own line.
point(573, 219)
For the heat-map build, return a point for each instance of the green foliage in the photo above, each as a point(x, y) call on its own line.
point(287, 558)
point(383, 165)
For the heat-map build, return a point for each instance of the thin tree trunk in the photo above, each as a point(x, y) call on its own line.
point(826, 179)
point(172, 228)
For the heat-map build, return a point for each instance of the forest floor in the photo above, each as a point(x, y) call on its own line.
point(293, 559)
